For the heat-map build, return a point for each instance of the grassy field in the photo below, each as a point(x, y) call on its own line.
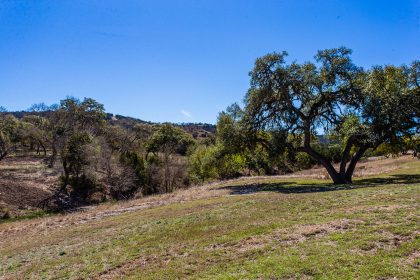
point(252, 228)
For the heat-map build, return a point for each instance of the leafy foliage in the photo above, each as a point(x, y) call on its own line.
point(363, 108)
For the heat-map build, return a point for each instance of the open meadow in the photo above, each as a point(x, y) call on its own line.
point(254, 228)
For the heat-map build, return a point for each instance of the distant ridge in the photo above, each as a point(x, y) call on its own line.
point(197, 130)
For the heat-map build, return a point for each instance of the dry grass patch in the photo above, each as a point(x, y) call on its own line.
point(208, 233)
point(24, 183)
point(289, 236)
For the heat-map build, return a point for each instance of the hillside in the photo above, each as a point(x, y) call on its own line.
point(287, 227)
point(197, 130)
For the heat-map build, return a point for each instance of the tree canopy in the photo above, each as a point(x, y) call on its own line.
point(334, 96)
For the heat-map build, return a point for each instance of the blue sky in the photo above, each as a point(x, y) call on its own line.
point(182, 60)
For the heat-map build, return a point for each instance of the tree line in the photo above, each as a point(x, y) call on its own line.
point(358, 112)
point(98, 160)
point(328, 112)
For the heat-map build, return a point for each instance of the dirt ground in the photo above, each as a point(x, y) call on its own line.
point(24, 182)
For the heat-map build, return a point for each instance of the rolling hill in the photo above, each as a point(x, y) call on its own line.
point(282, 227)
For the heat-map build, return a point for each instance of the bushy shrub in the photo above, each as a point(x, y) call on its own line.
point(137, 163)
point(385, 150)
point(81, 185)
point(163, 177)
point(231, 166)
point(331, 151)
point(210, 162)
point(303, 161)
point(5, 213)
point(202, 164)
point(78, 156)
point(74, 156)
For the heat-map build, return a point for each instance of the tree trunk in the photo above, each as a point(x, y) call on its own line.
point(3, 154)
point(338, 178)
point(54, 144)
point(167, 183)
point(344, 176)
point(43, 148)
point(53, 157)
point(352, 165)
point(3, 150)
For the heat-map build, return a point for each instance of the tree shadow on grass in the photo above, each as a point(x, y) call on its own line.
point(392, 179)
point(294, 187)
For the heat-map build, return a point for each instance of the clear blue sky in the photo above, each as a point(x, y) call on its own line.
point(182, 60)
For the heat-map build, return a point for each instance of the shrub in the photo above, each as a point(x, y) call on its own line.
point(303, 161)
point(231, 166)
point(136, 162)
point(210, 162)
point(201, 164)
point(163, 177)
point(5, 213)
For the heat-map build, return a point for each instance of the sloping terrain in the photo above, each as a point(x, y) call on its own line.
point(24, 183)
point(253, 228)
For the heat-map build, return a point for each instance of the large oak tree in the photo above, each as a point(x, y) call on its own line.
point(334, 96)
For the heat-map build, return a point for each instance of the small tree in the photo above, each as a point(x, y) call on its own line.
point(9, 133)
point(37, 132)
point(333, 95)
point(73, 116)
point(4, 145)
point(202, 163)
point(77, 156)
point(167, 141)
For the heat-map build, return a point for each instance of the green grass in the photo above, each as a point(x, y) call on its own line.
point(26, 215)
point(278, 229)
